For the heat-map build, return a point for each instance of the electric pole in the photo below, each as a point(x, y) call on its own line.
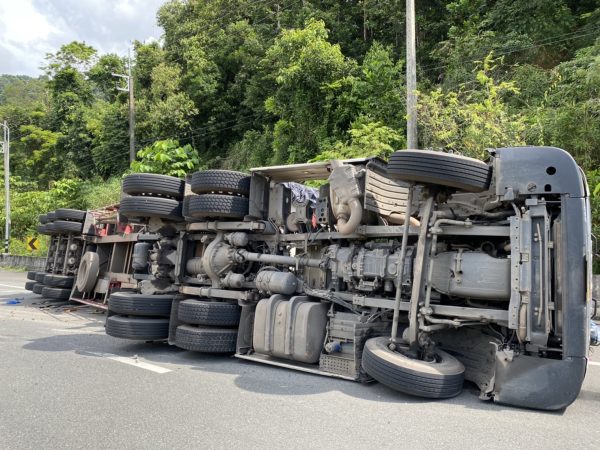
point(6, 151)
point(129, 80)
point(411, 77)
point(131, 111)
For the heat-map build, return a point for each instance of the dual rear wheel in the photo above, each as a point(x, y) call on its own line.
point(138, 316)
point(219, 194)
point(208, 326)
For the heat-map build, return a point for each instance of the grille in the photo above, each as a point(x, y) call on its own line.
point(337, 365)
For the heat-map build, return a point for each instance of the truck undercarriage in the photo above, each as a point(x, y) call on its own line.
point(330, 280)
point(419, 272)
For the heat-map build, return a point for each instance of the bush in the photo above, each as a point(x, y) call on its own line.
point(168, 158)
point(593, 177)
point(19, 246)
point(97, 193)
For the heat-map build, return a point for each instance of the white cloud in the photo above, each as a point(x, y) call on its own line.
point(12, 15)
point(31, 28)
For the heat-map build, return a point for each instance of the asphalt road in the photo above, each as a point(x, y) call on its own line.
point(65, 384)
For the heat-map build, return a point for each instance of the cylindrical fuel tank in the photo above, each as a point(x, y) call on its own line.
point(275, 282)
point(472, 275)
point(139, 261)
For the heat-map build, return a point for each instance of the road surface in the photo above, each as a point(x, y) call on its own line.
point(65, 384)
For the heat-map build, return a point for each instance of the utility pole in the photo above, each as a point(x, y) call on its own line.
point(6, 151)
point(129, 80)
point(365, 20)
point(411, 77)
point(131, 111)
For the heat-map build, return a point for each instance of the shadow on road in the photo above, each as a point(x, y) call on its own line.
point(249, 376)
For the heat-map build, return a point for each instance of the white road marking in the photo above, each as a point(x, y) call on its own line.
point(20, 288)
point(137, 363)
point(79, 330)
point(593, 363)
point(132, 361)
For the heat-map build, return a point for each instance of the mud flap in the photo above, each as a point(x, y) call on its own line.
point(538, 383)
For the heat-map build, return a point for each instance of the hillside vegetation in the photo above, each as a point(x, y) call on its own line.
point(236, 84)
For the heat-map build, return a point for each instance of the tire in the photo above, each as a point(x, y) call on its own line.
point(56, 293)
point(42, 229)
point(220, 181)
point(51, 217)
point(62, 281)
point(39, 277)
point(29, 285)
point(206, 340)
point(87, 274)
point(37, 288)
point(153, 184)
point(218, 205)
point(185, 209)
point(129, 303)
point(425, 166)
point(50, 229)
point(138, 328)
point(64, 226)
point(43, 218)
point(438, 379)
point(185, 205)
point(31, 275)
point(75, 215)
point(219, 314)
point(163, 208)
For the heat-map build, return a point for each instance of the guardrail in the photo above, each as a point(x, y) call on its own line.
point(26, 262)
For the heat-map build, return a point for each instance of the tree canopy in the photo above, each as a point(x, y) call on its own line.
point(242, 83)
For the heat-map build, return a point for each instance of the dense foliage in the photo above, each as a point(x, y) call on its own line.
point(242, 83)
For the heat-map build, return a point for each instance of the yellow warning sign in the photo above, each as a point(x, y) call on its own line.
point(32, 243)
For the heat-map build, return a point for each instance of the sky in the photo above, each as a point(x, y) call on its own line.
point(31, 28)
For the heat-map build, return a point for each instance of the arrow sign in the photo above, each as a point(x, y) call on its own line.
point(32, 243)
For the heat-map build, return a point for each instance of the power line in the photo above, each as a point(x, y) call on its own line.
point(200, 132)
point(543, 43)
point(191, 133)
point(215, 30)
point(115, 157)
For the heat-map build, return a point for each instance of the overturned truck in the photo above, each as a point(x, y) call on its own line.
point(419, 273)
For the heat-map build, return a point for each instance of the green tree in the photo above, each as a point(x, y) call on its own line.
point(75, 55)
point(166, 157)
point(101, 75)
point(568, 114)
point(469, 121)
point(39, 146)
point(367, 138)
point(302, 64)
point(108, 125)
point(167, 111)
